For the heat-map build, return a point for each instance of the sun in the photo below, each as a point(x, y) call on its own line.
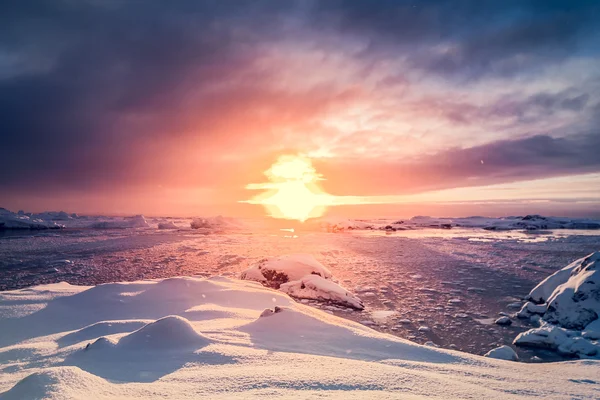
point(292, 191)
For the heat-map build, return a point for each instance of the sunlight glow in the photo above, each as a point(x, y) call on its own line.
point(292, 191)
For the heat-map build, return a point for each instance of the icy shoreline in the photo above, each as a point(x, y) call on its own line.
point(61, 219)
point(178, 336)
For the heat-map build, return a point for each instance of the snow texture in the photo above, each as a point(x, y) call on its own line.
point(190, 337)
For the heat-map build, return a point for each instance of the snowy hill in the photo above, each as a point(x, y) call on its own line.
point(183, 337)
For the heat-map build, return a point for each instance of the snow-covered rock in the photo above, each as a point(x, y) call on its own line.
point(302, 277)
point(502, 353)
point(542, 292)
point(137, 221)
point(576, 302)
point(318, 288)
point(10, 220)
point(273, 272)
point(592, 330)
point(570, 310)
point(547, 336)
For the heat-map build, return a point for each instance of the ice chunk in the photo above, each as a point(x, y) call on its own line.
point(137, 221)
point(502, 353)
point(167, 225)
point(10, 220)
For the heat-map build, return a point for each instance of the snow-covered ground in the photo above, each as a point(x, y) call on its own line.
point(188, 336)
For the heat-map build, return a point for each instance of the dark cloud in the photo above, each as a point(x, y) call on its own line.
point(497, 162)
point(468, 39)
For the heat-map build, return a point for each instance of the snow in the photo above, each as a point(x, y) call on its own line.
point(317, 288)
point(571, 310)
point(502, 353)
point(191, 337)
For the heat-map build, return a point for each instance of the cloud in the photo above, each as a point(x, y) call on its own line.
point(101, 96)
point(497, 162)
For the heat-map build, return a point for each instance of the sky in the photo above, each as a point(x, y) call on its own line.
point(423, 107)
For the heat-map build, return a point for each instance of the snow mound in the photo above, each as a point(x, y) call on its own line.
point(137, 221)
point(273, 272)
point(56, 383)
point(167, 225)
point(502, 353)
point(10, 220)
point(166, 333)
point(317, 288)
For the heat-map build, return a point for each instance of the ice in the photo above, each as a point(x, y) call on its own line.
point(10, 220)
point(502, 353)
point(167, 225)
point(137, 221)
point(218, 222)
